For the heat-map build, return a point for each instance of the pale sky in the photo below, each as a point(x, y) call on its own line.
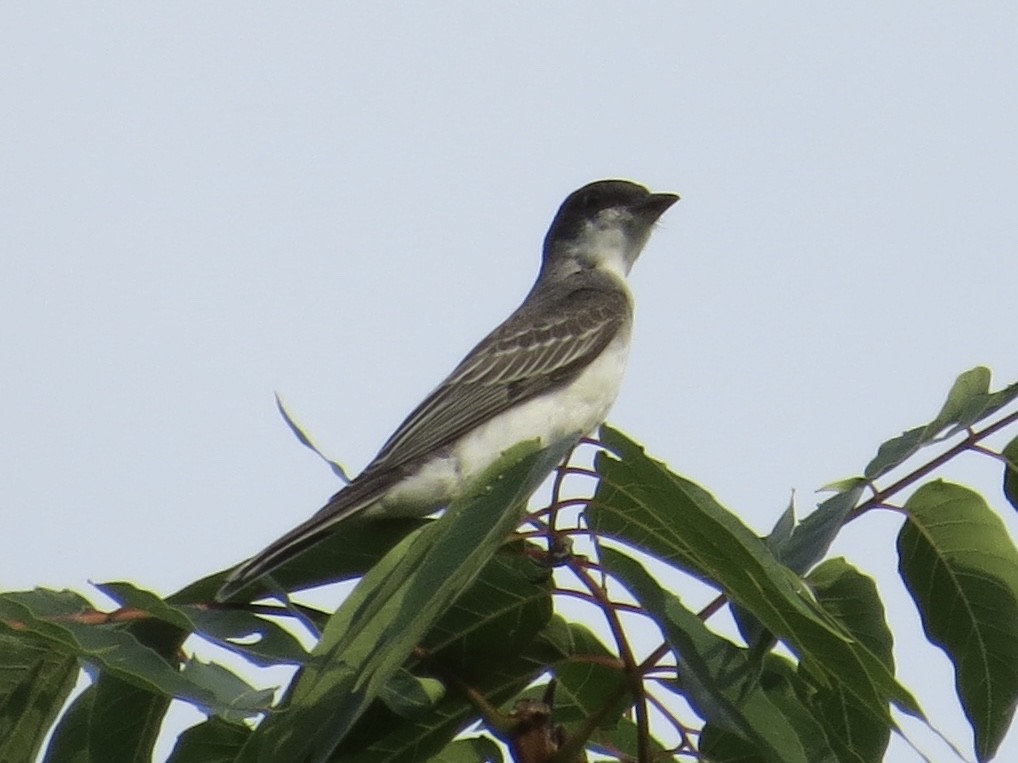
point(206, 203)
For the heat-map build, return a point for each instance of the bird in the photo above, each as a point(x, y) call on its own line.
point(550, 372)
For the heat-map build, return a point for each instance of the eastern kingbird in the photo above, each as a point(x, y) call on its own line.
point(550, 372)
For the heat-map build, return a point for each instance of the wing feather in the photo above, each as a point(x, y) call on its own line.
point(535, 350)
point(527, 355)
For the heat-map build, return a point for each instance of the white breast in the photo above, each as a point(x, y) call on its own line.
point(571, 411)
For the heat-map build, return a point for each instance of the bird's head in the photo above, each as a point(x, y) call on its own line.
point(603, 225)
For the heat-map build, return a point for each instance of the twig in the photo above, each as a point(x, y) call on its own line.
point(632, 669)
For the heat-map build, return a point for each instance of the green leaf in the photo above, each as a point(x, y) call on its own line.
point(718, 678)
point(493, 639)
point(802, 546)
point(975, 404)
point(812, 537)
point(411, 696)
point(393, 607)
point(470, 750)
point(69, 743)
point(968, 402)
point(786, 690)
point(961, 567)
point(965, 402)
point(586, 688)
point(853, 600)
point(1010, 453)
point(380, 737)
point(124, 721)
point(719, 746)
point(214, 741)
point(496, 617)
point(622, 741)
point(49, 616)
point(305, 440)
point(583, 687)
point(261, 641)
point(999, 399)
point(641, 503)
point(34, 682)
point(238, 695)
point(896, 451)
point(781, 533)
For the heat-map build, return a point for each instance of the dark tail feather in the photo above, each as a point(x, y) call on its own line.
point(272, 557)
point(300, 538)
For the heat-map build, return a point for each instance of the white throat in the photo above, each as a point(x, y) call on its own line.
point(606, 243)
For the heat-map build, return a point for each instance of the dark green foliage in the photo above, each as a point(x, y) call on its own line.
point(455, 624)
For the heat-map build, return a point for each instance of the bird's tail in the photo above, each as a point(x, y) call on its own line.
point(343, 505)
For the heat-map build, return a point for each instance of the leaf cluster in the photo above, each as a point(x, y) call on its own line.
point(458, 632)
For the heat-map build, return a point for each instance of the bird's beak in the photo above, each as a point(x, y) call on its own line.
point(655, 205)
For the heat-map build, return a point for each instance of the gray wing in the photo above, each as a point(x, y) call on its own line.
point(535, 350)
point(531, 353)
